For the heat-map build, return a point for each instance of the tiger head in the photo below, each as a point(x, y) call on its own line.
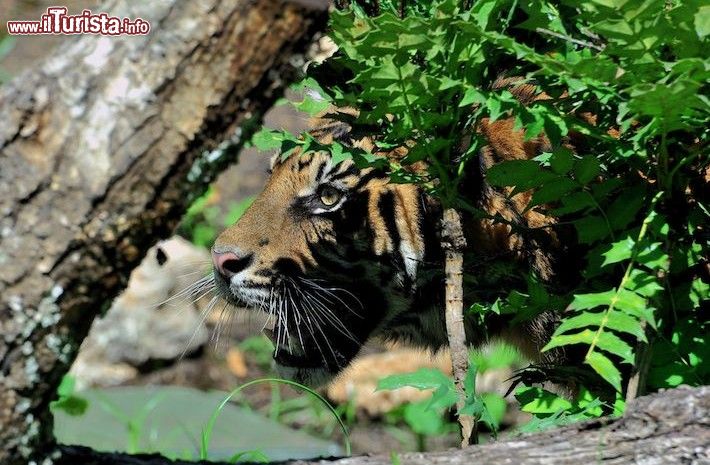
point(336, 254)
point(331, 252)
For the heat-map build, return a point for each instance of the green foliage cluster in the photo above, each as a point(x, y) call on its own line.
point(204, 220)
point(426, 418)
point(633, 194)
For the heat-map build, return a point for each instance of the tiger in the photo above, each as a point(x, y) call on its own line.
point(338, 255)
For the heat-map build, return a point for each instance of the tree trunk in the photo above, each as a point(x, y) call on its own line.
point(102, 146)
point(453, 242)
point(671, 427)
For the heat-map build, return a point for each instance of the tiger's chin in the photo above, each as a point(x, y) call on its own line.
point(317, 328)
point(311, 376)
point(306, 365)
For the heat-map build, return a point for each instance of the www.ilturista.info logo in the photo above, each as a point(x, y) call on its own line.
point(57, 21)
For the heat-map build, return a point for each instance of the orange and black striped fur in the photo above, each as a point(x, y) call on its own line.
point(339, 255)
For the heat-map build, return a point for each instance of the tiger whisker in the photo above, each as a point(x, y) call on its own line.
point(297, 316)
point(325, 338)
point(216, 333)
point(191, 290)
point(203, 316)
point(331, 292)
point(310, 327)
point(329, 315)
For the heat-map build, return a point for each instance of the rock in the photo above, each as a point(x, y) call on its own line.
point(150, 321)
point(171, 420)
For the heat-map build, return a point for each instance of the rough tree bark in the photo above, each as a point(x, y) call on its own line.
point(101, 148)
point(672, 427)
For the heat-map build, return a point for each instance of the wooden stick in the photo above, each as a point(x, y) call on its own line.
point(453, 242)
point(583, 43)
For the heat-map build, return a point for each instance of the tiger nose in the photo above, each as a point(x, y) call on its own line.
point(229, 263)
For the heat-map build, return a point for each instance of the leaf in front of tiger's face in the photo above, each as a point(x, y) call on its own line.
point(338, 154)
point(669, 102)
point(553, 191)
point(311, 105)
point(523, 174)
point(585, 169)
point(561, 160)
point(267, 139)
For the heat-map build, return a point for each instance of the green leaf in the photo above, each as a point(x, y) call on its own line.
point(552, 191)
point(496, 355)
point(702, 21)
point(604, 340)
point(605, 368)
point(630, 301)
point(66, 386)
point(591, 229)
point(443, 396)
point(67, 401)
point(338, 154)
point(424, 420)
point(643, 283)
point(586, 169)
point(561, 160)
point(619, 251)
point(448, 83)
point(496, 406)
point(575, 202)
point(472, 95)
point(266, 139)
point(312, 106)
point(478, 408)
point(71, 405)
point(625, 208)
point(523, 174)
point(591, 301)
point(615, 319)
point(534, 127)
point(539, 401)
point(424, 378)
point(494, 107)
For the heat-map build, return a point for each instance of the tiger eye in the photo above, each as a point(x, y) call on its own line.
point(329, 196)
